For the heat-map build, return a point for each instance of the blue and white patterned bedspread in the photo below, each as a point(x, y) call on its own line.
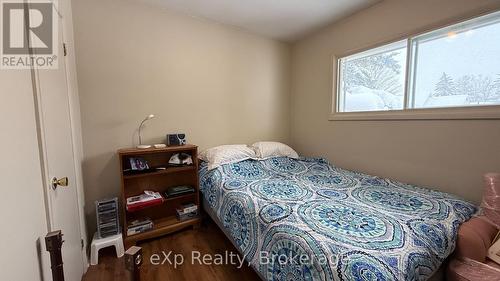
point(303, 219)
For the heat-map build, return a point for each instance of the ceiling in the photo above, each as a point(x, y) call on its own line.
point(285, 20)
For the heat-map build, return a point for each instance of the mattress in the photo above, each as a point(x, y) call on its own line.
point(304, 219)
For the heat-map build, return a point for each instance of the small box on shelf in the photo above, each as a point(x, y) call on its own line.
point(139, 226)
point(188, 216)
point(187, 208)
point(187, 211)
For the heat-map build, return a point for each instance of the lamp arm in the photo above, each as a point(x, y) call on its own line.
point(140, 127)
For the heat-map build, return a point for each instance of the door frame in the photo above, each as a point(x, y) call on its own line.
point(64, 13)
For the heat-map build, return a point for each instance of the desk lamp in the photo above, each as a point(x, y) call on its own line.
point(142, 146)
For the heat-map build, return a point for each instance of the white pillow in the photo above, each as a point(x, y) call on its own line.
point(226, 154)
point(268, 149)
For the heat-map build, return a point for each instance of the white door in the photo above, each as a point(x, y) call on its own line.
point(59, 159)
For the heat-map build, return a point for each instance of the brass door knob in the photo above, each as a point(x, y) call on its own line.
point(59, 182)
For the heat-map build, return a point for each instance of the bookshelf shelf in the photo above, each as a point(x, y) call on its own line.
point(168, 170)
point(165, 201)
point(161, 227)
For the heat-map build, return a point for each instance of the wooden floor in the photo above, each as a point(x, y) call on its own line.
point(207, 239)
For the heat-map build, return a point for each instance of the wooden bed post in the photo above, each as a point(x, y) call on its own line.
point(53, 244)
point(133, 262)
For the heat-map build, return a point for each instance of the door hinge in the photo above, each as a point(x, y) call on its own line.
point(64, 49)
point(82, 243)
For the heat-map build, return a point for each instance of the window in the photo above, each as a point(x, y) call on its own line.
point(456, 66)
point(373, 80)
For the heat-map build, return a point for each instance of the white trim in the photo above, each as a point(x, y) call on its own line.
point(75, 120)
point(335, 85)
point(408, 66)
point(76, 136)
point(390, 47)
point(457, 113)
point(37, 99)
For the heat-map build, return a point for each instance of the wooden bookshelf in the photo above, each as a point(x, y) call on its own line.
point(162, 215)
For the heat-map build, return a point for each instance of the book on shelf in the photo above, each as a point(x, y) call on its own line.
point(187, 211)
point(178, 191)
point(139, 226)
point(187, 208)
point(147, 199)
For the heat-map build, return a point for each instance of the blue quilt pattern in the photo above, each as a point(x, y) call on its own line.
point(347, 225)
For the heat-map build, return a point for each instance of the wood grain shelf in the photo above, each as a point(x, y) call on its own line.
point(168, 170)
point(161, 227)
point(163, 215)
point(152, 150)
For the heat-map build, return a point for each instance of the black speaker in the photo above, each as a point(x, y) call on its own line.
point(176, 139)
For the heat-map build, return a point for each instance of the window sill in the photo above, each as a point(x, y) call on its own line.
point(462, 113)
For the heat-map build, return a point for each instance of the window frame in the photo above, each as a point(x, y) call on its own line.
point(482, 112)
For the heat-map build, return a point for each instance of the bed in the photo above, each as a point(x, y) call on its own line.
point(304, 219)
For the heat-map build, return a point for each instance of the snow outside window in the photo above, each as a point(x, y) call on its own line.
point(373, 80)
point(456, 66)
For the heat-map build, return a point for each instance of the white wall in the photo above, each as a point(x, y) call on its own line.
point(446, 155)
point(22, 210)
point(216, 83)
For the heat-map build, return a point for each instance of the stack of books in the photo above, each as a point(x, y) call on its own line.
point(187, 211)
point(139, 226)
point(148, 199)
